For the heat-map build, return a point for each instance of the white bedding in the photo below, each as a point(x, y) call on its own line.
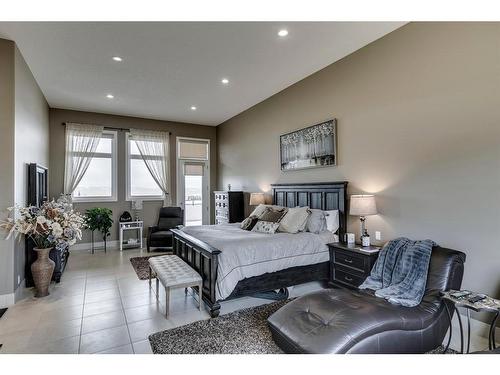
point(245, 254)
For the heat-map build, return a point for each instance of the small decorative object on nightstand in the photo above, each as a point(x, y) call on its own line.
point(350, 264)
point(362, 206)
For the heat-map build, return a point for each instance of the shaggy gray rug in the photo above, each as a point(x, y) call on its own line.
point(241, 332)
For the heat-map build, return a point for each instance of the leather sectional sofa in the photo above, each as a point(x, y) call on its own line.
point(348, 321)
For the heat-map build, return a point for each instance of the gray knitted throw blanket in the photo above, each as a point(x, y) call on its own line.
point(400, 272)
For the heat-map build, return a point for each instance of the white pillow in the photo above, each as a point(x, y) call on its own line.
point(259, 210)
point(316, 223)
point(332, 220)
point(295, 220)
point(267, 227)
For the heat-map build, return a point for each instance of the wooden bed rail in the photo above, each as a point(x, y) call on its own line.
point(204, 259)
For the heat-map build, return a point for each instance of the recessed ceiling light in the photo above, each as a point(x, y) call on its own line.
point(193, 108)
point(117, 58)
point(110, 96)
point(225, 81)
point(283, 32)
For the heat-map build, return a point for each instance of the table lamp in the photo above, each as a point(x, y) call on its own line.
point(363, 205)
point(256, 199)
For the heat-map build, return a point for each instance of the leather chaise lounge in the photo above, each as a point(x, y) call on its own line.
point(347, 321)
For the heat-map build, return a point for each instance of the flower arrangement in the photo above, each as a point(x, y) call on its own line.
point(54, 224)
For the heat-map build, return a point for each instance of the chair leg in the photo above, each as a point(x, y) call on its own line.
point(186, 291)
point(157, 288)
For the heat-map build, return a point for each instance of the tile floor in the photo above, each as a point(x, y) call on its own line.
point(101, 306)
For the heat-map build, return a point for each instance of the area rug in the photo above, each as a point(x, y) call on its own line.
point(141, 266)
point(241, 332)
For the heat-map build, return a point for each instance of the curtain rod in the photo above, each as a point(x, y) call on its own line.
point(107, 127)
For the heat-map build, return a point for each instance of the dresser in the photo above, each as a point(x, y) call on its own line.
point(229, 207)
point(350, 265)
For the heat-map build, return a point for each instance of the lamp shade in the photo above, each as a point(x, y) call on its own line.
point(256, 199)
point(363, 205)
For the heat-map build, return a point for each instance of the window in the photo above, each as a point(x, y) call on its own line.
point(140, 183)
point(99, 181)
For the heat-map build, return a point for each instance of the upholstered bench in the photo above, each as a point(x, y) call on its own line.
point(173, 272)
point(349, 321)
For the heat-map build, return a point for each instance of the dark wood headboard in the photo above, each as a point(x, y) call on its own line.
point(322, 195)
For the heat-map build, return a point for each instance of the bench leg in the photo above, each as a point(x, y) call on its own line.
point(157, 288)
point(167, 298)
point(200, 293)
point(150, 277)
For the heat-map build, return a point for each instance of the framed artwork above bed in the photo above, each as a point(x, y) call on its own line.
point(311, 147)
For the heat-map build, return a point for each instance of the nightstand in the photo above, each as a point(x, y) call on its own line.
point(350, 265)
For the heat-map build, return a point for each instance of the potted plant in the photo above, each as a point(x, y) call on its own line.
point(53, 225)
point(99, 218)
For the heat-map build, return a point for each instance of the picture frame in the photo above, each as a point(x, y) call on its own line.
point(312, 147)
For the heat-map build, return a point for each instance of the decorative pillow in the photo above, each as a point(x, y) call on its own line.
point(332, 220)
point(316, 223)
point(249, 222)
point(272, 215)
point(295, 220)
point(259, 210)
point(265, 227)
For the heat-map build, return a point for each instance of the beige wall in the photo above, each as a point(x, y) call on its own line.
point(31, 123)
point(150, 208)
point(418, 125)
point(7, 169)
point(24, 127)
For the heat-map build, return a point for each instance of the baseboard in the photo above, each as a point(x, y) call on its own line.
point(7, 300)
point(18, 294)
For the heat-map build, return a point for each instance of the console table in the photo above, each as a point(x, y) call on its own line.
point(138, 226)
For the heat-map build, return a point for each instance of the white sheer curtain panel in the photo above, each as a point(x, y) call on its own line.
point(154, 149)
point(81, 144)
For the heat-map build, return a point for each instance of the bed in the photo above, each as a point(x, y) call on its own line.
point(289, 259)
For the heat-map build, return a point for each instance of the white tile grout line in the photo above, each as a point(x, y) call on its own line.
point(126, 322)
point(83, 310)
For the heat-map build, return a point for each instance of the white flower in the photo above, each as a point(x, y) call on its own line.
point(41, 220)
point(57, 230)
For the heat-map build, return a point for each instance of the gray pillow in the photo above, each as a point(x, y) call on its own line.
point(272, 215)
point(316, 223)
point(249, 222)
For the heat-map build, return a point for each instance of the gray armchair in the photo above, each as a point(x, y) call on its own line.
point(160, 234)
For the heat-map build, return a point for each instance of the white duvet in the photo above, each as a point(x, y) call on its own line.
point(245, 254)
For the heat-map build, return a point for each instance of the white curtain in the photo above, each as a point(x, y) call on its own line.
point(81, 144)
point(154, 149)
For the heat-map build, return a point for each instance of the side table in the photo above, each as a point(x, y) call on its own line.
point(488, 304)
point(131, 225)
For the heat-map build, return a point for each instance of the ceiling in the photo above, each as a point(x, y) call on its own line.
point(168, 67)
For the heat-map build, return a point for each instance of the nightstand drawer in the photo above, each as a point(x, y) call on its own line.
point(349, 259)
point(348, 278)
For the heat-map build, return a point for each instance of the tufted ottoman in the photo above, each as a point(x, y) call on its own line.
point(173, 272)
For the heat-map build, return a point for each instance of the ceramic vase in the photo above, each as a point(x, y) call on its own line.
point(42, 270)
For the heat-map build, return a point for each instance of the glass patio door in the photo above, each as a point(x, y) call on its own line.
point(193, 192)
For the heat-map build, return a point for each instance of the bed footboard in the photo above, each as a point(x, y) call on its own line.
point(204, 259)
